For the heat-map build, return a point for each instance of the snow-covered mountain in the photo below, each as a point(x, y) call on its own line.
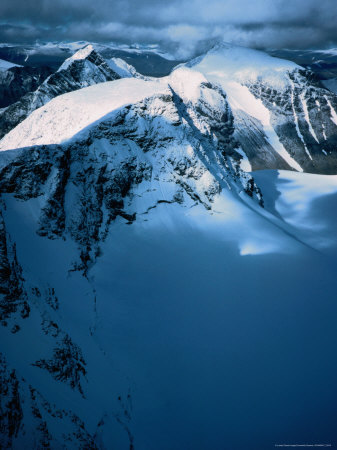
point(124, 69)
point(5, 65)
point(113, 152)
point(150, 60)
point(284, 118)
point(154, 295)
point(280, 109)
point(85, 68)
point(18, 81)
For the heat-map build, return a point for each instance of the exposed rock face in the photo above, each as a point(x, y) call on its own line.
point(304, 117)
point(18, 81)
point(297, 128)
point(173, 147)
point(13, 298)
point(124, 70)
point(70, 189)
point(284, 117)
point(26, 417)
point(83, 69)
point(101, 180)
point(11, 413)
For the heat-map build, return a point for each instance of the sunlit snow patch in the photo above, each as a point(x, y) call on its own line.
point(256, 248)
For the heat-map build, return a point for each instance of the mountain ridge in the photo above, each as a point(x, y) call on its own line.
point(77, 73)
point(283, 117)
point(143, 265)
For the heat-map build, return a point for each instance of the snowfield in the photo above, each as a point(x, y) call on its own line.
point(191, 324)
point(5, 65)
point(68, 114)
point(155, 295)
point(232, 67)
point(240, 64)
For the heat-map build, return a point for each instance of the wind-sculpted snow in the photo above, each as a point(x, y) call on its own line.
point(303, 202)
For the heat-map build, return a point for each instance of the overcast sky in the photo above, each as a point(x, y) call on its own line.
point(175, 24)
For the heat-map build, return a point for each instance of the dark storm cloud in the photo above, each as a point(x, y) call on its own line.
point(181, 25)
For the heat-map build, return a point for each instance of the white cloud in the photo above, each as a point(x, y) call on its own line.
point(182, 25)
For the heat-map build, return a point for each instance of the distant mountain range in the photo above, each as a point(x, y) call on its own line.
point(148, 60)
point(284, 117)
point(322, 62)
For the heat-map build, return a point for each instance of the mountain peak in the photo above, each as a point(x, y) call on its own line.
point(85, 68)
point(235, 63)
point(123, 69)
point(81, 54)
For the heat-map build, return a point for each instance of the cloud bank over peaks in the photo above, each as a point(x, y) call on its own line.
point(181, 27)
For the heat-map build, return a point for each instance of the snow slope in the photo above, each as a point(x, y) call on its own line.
point(283, 117)
point(281, 100)
point(81, 54)
point(188, 323)
point(84, 68)
point(302, 202)
point(66, 115)
point(5, 65)
point(124, 69)
point(233, 63)
point(214, 340)
point(153, 294)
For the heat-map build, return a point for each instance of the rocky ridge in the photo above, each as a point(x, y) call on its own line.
point(85, 68)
